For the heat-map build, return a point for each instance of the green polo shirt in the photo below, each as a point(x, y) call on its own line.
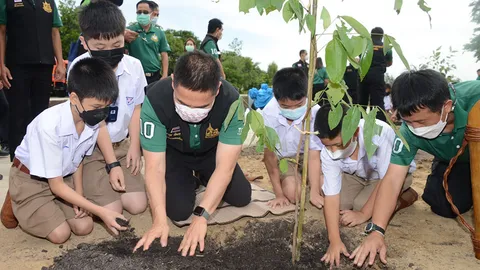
point(211, 49)
point(320, 76)
point(445, 146)
point(57, 22)
point(148, 46)
point(153, 135)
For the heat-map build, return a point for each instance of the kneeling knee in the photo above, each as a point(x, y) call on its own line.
point(136, 208)
point(179, 213)
point(83, 226)
point(60, 235)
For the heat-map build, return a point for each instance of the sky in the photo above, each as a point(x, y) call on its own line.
point(269, 39)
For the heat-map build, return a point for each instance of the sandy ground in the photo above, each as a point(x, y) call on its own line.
point(417, 238)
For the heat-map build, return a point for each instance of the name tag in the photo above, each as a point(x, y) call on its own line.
point(112, 115)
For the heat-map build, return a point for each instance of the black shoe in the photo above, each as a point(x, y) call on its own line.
point(4, 151)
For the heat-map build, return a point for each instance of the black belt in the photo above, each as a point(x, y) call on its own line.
point(151, 74)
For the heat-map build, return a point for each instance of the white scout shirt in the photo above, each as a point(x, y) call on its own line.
point(131, 84)
point(368, 169)
point(288, 134)
point(51, 147)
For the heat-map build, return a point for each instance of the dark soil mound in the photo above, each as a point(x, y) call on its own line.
point(264, 246)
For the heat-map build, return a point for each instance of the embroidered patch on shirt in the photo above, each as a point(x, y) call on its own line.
point(129, 100)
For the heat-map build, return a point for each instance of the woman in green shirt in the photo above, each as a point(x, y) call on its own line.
point(320, 81)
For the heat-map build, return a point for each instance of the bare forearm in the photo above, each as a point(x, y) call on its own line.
point(105, 144)
point(273, 172)
point(57, 45)
point(78, 179)
point(332, 217)
point(134, 127)
point(60, 189)
point(156, 191)
point(3, 43)
point(315, 171)
point(385, 202)
point(164, 64)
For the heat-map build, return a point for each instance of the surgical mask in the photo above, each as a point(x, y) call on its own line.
point(189, 48)
point(143, 19)
point(154, 20)
point(293, 114)
point(191, 115)
point(112, 57)
point(430, 132)
point(93, 117)
point(343, 153)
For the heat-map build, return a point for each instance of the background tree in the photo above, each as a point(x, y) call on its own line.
point(71, 29)
point(236, 46)
point(442, 63)
point(389, 78)
point(242, 72)
point(176, 39)
point(271, 70)
point(474, 45)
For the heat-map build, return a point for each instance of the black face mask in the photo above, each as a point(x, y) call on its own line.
point(112, 57)
point(93, 117)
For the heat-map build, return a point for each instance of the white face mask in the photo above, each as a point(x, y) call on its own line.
point(430, 132)
point(343, 153)
point(191, 115)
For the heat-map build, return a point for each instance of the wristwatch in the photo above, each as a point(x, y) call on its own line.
point(201, 212)
point(371, 227)
point(112, 165)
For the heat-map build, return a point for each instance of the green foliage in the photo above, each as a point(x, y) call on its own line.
point(366, 59)
point(474, 44)
point(398, 6)
point(350, 123)
point(176, 40)
point(335, 59)
point(442, 63)
point(357, 26)
point(242, 72)
point(335, 116)
point(391, 42)
point(283, 165)
point(70, 31)
point(231, 112)
point(325, 16)
point(370, 129)
point(310, 23)
point(271, 70)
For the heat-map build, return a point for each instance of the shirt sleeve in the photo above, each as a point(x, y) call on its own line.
point(325, 74)
point(315, 142)
point(211, 49)
point(57, 21)
point(163, 45)
point(332, 184)
point(141, 84)
point(389, 56)
point(232, 135)
point(384, 150)
point(45, 153)
point(153, 134)
point(400, 154)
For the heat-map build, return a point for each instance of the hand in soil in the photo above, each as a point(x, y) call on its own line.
point(375, 242)
point(353, 218)
point(334, 251)
point(110, 217)
point(194, 236)
point(157, 231)
point(117, 179)
point(279, 201)
point(317, 200)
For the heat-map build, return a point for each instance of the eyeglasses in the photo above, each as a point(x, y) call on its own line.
point(146, 12)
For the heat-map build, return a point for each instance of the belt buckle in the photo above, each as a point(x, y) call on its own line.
point(148, 74)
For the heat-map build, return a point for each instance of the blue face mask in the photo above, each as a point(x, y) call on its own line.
point(293, 114)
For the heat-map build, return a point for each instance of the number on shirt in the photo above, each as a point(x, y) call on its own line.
point(147, 129)
point(397, 146)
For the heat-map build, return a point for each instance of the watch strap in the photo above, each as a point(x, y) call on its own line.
point(201, 212)
point(112, 165)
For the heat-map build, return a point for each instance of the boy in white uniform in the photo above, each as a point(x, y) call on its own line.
point(112, 173)
point(351, 178)
point(46, 175)
point(285, 113)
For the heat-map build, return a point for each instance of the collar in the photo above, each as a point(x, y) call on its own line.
point(67, 125)
point(213, 37)
point(461, 116)
point(122, 67)
point(150, 29)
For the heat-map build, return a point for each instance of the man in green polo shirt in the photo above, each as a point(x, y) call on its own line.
point(151, 46)
point(435, 115)
point(188, 141)
point(209, 44)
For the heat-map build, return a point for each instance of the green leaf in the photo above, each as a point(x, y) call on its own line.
point(399, 51)
point(260, 144)
point(256, 122)
point(283, 165)
point(287, 12)
point(387, 44)
point(359, 44)
point(270, 9)
point(336, 60)
point(278, 4)
point(366, 59)
point(246, 5)
point(261, 4)
point(272, 139)
point(260, 10)
point(231, 113)
point(335, 93)
point(297, 8)
point(423, 5)
point(325, 16)
point(334, 116)
point(398, 6)
point(350, 124)
point(370, 129)
point(342, 34)
point(245, 131)
point(241, 109)
point(357, 26)
point(311, 24)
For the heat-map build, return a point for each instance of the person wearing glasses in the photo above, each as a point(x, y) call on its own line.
point(151, 46)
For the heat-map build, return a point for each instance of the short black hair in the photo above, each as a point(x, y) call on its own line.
point(197, 71)
point(321, 122)
point(415, 90)
point(377, 33)
point(319, 63)
point(301, 52)
point(213, 25)
point(153, 5)
point(290, 83)
point(478, 70)
point(101, 20)
point(93, 78)
point(144, 2)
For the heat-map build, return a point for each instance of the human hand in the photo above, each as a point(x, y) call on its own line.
point(109, 217)
point(117, 179)
point(194, 236)
point(6, 77)
point(332, 257)
point(130, 35)
point(159, 230)
point(353, 218)
point(280, 201)
point(134, 159)
point(60, 71)
point(316, 199)
point(373, 244)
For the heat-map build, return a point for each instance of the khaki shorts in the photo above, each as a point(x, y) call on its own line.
point(291, 170)
point(356, 191)
point(96, 181)
point(36, 208)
